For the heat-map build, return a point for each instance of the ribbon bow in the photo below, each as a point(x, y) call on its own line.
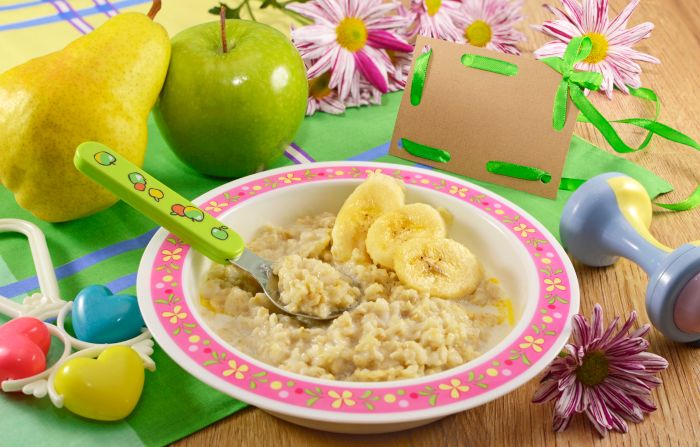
point(572, 81)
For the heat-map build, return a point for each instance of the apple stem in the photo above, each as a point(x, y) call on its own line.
point(222, 19)
point(155, 7)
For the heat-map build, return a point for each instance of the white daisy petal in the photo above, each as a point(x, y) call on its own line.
point(631, 36)
point(620, 21)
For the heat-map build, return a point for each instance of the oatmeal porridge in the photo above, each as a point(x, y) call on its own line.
point(402, 327)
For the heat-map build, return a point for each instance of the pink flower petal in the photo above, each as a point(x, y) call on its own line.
point(551, 49)
point(388, 41)
point(370, 70)
point(546, 392)
point(631, 36)
point(620, 21)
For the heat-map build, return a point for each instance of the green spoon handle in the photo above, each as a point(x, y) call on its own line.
point(158, 202)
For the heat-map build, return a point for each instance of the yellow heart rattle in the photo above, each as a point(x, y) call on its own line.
point(96, 381)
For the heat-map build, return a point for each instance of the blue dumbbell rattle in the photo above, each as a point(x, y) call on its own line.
point(609, 216)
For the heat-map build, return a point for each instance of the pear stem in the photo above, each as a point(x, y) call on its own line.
point(222, 19)
point(155, 7)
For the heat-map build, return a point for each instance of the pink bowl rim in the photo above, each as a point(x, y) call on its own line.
point(187, 340)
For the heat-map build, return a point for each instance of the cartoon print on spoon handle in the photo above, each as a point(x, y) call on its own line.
point(129, 183)
point(195, 227)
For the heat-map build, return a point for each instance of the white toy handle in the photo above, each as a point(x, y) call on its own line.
point(40, 253)
point(42, 264)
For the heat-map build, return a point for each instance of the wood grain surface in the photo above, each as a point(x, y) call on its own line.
point(512, 419)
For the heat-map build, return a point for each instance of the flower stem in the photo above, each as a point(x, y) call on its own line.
point(222, 19)
point(155, 7)
point(250, 10)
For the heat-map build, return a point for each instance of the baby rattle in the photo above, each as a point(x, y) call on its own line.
point(609, 216)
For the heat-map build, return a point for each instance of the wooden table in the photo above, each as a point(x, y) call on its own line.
point(512, 419)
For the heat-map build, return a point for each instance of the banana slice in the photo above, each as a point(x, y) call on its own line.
point(442, 267)
point(377, 195)
point(390, 230)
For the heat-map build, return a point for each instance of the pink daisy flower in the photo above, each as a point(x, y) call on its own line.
point(612, 54)
point(347, 37)
point(322, 97)
point(606, 374)
point(439, 19)
point(402, 65)
point(489, 23)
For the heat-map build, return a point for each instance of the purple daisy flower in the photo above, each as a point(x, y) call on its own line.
point(606, 374)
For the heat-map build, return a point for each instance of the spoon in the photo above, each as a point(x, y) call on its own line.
point(175, 213)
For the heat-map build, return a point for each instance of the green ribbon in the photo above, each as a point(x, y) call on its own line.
point(518, 171)
point(489, 64)
point(420, 73)
point(427, 152)
point(642, 93)
point(571, 184)
point(572, 85)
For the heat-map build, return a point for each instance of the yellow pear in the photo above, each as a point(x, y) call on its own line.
point(101, 87)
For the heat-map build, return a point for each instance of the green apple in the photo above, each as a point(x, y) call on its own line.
point(228, 114)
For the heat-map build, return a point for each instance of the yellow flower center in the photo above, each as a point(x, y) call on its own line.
point(593, 369)
point(599, 50)
point(478, 33)
point(318, 87)
point(433, 6)
point(351, 34)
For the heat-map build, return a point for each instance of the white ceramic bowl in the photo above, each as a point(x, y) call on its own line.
point(533, 268)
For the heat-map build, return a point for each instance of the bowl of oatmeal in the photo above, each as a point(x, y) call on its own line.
point(457, 296)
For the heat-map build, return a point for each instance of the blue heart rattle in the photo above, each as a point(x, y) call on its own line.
point(609, 216)
point(100, 317)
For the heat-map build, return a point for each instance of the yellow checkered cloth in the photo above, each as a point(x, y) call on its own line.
point(31, 28)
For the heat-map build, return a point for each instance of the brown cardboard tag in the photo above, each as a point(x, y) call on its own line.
point(479, 116)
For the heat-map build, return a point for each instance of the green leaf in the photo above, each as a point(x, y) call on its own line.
point(482, 385)
point(433, 400)
point(369, 406)
point(535, 329)
point(231, 13)
point(252, 385)
point(311, 402)
point(260, 374)
point(470, 376)
point(310, 392)
point(177, 330)
point(525, 359)
point(366, 394)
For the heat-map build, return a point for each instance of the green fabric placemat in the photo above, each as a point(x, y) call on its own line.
point(106, 249)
